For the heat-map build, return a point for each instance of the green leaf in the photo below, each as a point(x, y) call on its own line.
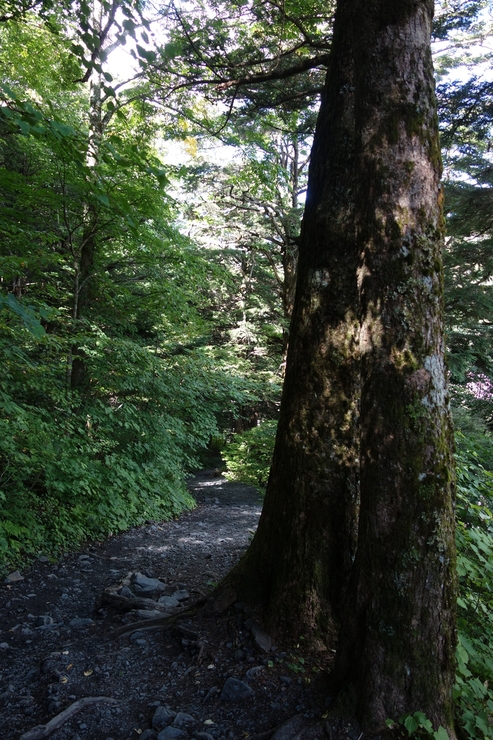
point(102, 198)
point(148, 54)
point(8, 91)
point(171, 50)
point(441, 734)
point(61, 128)
point(411, 724)
point(129, 25)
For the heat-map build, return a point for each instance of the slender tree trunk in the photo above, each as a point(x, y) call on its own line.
point(300, 558)
point(397, 644)
point(289, 258)
point(85, 269)
point(290, 251)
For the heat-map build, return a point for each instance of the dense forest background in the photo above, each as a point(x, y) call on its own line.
point(153, 168)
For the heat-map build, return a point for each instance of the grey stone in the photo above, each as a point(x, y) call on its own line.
point(162, 718)
point(146, 735)
point(43, 620)
point(4, 645)
point(286, 679)
point(171, 733)
point(43, 559)
point(183, 720)
point(135, 636)
point(168, 601)
point(235, 690)
point(144, 586)
point(80, 622)
point(181, 595)
point(203, 736)
point(14, 577)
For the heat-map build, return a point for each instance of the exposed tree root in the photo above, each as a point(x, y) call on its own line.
point(41, 731)
point(155, 624)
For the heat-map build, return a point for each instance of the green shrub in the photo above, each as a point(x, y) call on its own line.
point(76, 467)
point(249, 455)
point(474, 684)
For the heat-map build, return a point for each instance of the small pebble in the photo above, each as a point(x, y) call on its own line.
point(254, 672)
point(43, 620)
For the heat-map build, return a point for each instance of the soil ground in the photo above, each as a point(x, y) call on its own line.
point(48, 661)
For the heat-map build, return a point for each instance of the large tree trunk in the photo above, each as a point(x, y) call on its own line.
point(370, 272)
point(396, 652)
point(300, 558)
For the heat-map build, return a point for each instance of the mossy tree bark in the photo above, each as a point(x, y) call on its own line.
point(300, 557)
point(396, 651)
point(365, 406)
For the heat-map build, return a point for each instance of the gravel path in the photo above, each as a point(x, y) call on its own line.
point(57, 645)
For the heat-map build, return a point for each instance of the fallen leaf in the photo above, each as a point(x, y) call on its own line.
point(88, 673)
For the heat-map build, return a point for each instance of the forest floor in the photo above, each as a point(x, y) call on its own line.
point(60, 644)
